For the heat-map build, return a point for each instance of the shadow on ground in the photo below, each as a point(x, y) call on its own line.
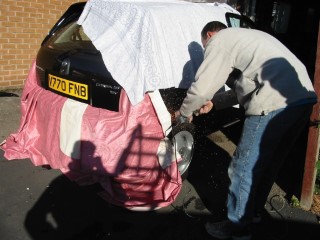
point(66, 211)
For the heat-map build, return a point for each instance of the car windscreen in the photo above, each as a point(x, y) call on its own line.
point(70, 37)
point(235, 20)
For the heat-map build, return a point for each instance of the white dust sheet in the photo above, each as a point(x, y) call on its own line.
point(150, 45)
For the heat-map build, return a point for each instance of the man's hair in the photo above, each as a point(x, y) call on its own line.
point(213, 26)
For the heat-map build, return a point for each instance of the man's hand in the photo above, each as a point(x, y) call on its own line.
point(207, 107)
point(177, 114)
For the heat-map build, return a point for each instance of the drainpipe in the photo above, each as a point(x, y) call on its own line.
point(312, 151)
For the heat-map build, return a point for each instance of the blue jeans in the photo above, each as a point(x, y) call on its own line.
point(263, 147)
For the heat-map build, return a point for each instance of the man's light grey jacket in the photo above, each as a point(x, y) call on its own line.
point(272, 77)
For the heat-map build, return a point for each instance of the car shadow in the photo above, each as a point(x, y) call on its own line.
point(67, 211)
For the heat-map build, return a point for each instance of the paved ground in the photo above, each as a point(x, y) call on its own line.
point(40, 204)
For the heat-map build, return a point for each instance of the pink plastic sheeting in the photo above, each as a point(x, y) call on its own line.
point(118, 150)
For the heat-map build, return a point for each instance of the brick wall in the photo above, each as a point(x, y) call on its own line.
point(23, 25)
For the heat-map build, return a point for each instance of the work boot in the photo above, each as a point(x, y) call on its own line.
point(227, 230)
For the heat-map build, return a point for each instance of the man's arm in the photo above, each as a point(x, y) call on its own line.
point(211, 76)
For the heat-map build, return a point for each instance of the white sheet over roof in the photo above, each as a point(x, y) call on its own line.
point(149, 45)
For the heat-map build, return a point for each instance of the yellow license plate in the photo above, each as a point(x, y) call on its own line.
point(71, 88)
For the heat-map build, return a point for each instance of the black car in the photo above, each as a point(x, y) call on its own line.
point(77, 117)
point(70, 65)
